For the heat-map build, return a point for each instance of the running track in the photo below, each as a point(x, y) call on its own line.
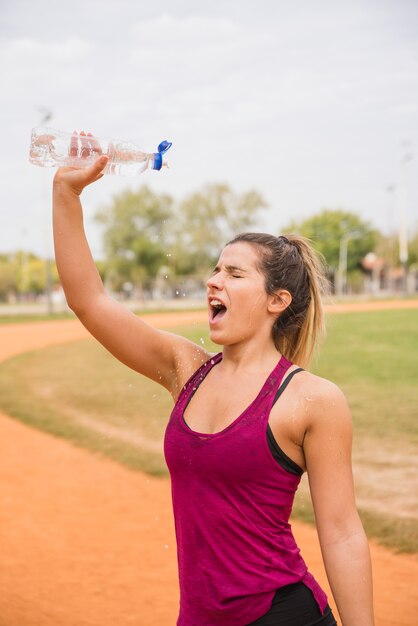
point(86, 542)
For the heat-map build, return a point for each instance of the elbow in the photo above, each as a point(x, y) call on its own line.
point(342, 530)
point(87, 309)
point(83, 300)
point(79, 307)
point(75, 308)
point(73, 299)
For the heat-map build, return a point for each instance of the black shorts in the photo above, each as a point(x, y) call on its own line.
point(295, 605)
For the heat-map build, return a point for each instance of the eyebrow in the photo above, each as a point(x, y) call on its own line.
point(230, 268)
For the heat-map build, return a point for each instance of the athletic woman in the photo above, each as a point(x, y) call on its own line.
point(247, 422)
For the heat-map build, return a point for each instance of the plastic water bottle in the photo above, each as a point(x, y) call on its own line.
point(55, 148)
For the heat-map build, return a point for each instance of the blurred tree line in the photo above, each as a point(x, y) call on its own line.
point(23, 274)
point(147, 235)
point(150, 238)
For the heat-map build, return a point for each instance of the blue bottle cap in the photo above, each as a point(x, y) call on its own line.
point(164, 146)
point(158, 156)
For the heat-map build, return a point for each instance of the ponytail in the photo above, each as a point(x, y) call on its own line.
point(291, 263)
point(309, 336)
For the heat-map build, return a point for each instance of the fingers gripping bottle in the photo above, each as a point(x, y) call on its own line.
point(55, 148)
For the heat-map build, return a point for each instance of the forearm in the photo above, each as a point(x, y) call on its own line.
point(79, 276)
point(348, 567)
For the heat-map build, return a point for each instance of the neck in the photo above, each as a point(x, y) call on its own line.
point(251, 355)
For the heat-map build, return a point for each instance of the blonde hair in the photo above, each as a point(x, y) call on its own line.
point(291, 263)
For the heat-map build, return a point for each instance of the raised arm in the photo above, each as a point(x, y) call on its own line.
point(166, 358)
point(327, 448)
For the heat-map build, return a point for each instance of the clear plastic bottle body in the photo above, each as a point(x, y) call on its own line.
point(53, 148)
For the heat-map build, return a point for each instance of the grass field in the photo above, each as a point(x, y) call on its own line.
point(34, 317)
point(80, 392)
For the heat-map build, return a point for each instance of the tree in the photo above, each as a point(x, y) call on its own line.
point(326, 230)
point(136, 236)
point(23, 273)
point(413, 249)
point(207, 219)
point(33, 276)
point(7, 277)
point(387, 248)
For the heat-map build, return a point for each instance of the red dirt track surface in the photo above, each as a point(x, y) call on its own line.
point(87, 542)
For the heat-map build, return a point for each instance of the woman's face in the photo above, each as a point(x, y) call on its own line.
point(237, 300)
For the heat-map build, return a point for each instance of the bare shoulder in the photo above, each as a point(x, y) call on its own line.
point(188, 357)
point(319, 399)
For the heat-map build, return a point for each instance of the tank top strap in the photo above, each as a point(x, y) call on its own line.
point(265, 398)
point(195, 380)
point(285, 382)
point(273, 385)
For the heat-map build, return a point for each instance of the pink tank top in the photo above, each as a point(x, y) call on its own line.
point(232, 502)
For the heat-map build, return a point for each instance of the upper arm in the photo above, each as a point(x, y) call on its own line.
point(167, 358)
point(327, 448)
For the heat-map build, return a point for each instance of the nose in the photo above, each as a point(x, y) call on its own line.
point(215, 281)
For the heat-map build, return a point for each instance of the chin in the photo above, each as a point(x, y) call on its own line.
point(219, 341)
point(222, 340)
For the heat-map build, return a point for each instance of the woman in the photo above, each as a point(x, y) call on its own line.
point(246, 424)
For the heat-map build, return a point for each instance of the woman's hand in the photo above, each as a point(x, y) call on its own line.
point(74, 179)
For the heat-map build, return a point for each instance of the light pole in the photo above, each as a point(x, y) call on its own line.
point(390, 189)
point(391, 239)
point(46, 117)
point(403, 229)
point(342, 265)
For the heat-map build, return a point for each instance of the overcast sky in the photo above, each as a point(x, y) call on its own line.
point(312, 103)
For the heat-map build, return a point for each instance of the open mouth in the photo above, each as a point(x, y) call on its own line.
point(217, 310)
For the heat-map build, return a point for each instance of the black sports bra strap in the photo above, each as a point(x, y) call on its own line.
point(285, 383)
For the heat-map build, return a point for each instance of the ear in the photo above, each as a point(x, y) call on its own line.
point(279, 301)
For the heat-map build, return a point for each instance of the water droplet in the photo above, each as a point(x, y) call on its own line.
point(169, 254)
point(166, 546)
point(184, 295)
point(177, 293)
point(212, 362)
point(202, 341)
